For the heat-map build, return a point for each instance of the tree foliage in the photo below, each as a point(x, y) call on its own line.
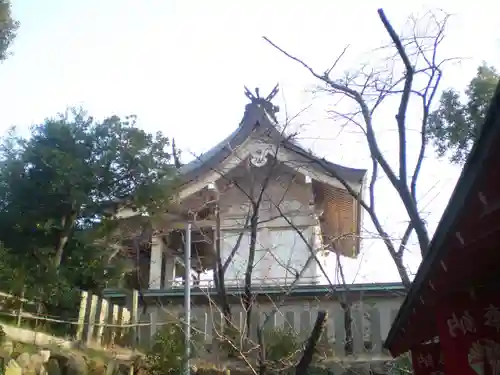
point(455, 124)
point(166, 356)
point(8, 28)
point(56, 187)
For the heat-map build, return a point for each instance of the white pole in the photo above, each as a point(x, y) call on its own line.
point(187, 300)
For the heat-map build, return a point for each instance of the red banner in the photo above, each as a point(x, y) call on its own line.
point(426, 359)
point(469, 333)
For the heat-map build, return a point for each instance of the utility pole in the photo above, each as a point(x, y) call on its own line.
point(187, 300)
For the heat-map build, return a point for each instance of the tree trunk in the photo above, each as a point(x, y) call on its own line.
point(312, 342)
point(219, 273)
point(247, 296)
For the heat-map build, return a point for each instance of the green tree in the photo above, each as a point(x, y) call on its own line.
point(56, 190)
point(8, 27)
point(454, 125)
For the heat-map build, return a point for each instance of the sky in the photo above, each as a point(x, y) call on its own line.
point(181, 66)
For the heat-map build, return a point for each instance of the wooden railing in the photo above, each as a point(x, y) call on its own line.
point(104, 323)
point(240, 282)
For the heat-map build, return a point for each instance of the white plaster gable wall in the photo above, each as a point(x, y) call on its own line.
point(286, 189)
point(281, 253)
point(293, 256)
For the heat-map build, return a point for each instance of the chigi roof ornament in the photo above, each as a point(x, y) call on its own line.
point(265, 103)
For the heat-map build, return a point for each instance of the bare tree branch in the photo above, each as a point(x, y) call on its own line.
point(401, 188)
point(405, 97)
point(370, 85)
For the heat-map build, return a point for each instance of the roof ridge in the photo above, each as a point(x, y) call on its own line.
point(260, 117)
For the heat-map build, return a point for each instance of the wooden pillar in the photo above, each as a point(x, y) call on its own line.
point(94, 300)
point(315, 240)
point(339, 329)
point(102, 318)
point(254, 322)
point(133, 306)
point(209, 327)
point(153, 320)
point(358, 343)
point(289, 321)
point(305, 323)
point(296, 324)
point(169, 275)
point(111, 321)
point(122, 319)
point(198, 321)
point(81, 316)
point(20, 310)
point(155, 263)
point(376, 331)
point(144, 330)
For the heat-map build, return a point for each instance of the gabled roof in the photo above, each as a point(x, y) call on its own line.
point(259, 118)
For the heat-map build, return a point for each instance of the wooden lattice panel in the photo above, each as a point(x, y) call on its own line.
point(339, 221)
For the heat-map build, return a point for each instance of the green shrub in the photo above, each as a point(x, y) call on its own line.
point(95, 367)
point(230, 341)
point(282, 345)
point(124, 337)
point(402, 365)
point(3, 335)
point(211, 371)
point(166, 355)
point(53, 367)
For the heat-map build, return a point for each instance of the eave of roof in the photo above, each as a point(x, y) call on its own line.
point(256, 117)
point(389, 289)
point(489, 136)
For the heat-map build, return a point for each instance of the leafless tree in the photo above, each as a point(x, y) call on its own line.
point(412, 71)
point(255, 189)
